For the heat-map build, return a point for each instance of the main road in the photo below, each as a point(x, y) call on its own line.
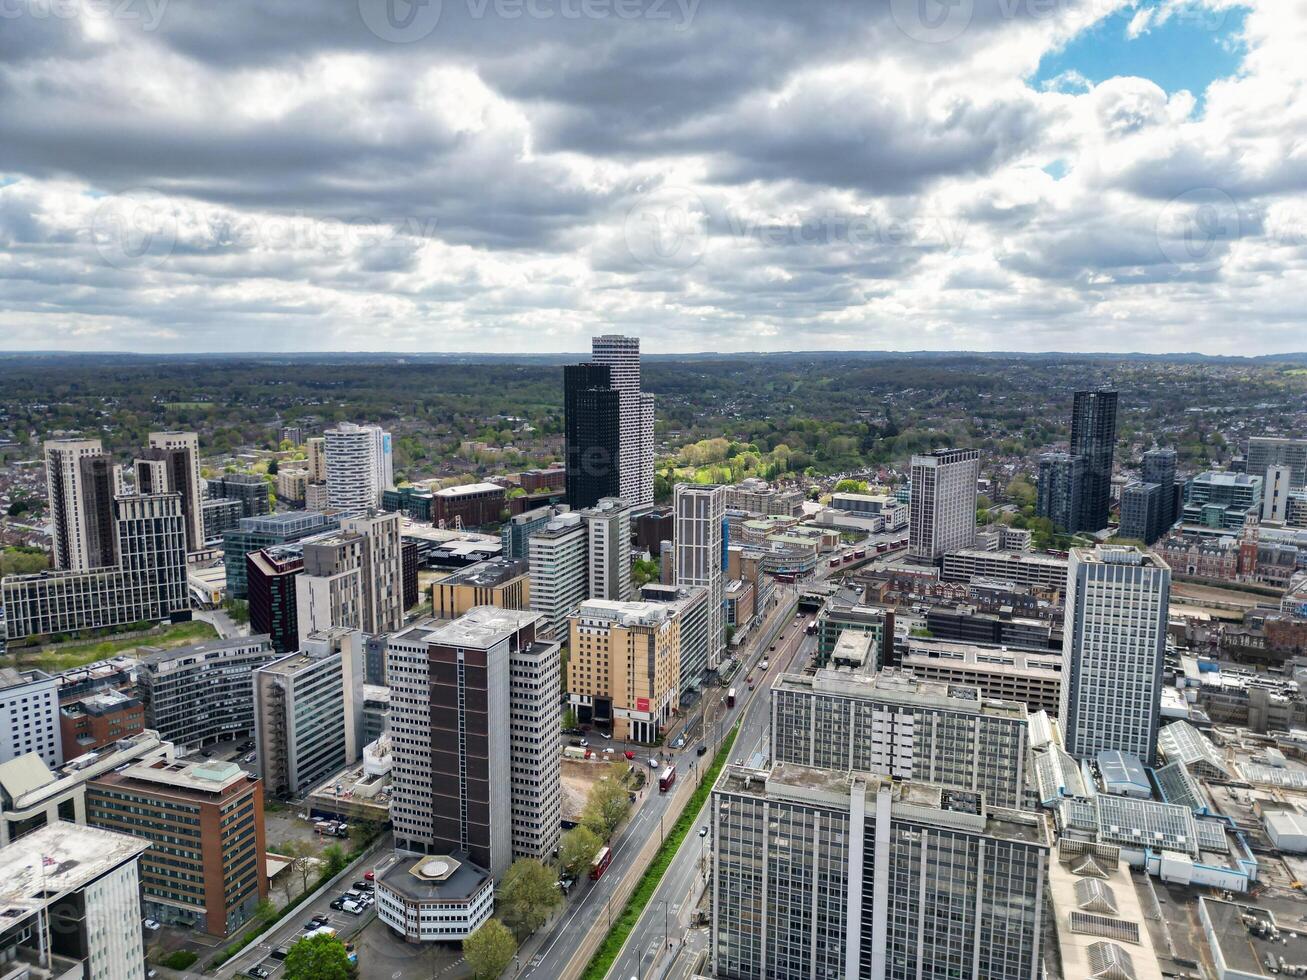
point(558, 954)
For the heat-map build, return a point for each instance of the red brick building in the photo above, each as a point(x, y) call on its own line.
point(96, 720)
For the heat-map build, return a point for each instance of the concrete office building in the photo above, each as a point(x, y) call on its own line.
point(1222, 501)
point(359, 466)
point(501, 582)
point(700, 556)
point(1019, 567)
point(1142, 508)
point(254, 533)
point(206, 869)
point(249, 488)
point(942, 514)
point(1093, 436)
point(515, 533)
point(443, 898)
point(592, 413)
point(636, 415)
point(72, 905)
point(308, 715)
point(474, 719)
point(1061, 489)
point(148, 581)
point(78, 503)
point(29, 716)
point(272, 576)
point(1033, 678)
point(180, 452)
point(200, 694)
point(608, 549)
point(623, 669)
point(558, 572)
point(1267, 451)
point(847, 875)
point(895, 724)
point(1113, 651)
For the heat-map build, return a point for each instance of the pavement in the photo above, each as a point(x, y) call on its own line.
point(550, 954)
point(223, 623)
point(663, 939)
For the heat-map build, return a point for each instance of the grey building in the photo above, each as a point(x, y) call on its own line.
point(1060, 490)
point(1142, 506)
point(249, 488)
point(1113, 651)
point(254, 533)
point(220, 516)
point(897, 725)
point(608, 549)
point(1093, 436)
point(837, 876)
point(942, 514)
point(1222, 500)
point(1159, 467)
point(700, 556)
point(515, 533)
point(1267, 451)
point(200, 694)
point(691, 604)
point(29, 716)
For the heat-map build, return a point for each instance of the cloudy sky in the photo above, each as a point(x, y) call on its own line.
point(514, 175)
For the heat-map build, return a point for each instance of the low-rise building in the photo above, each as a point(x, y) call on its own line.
point(1021, 567)
point(434, 898)
point(472, 505)
point(1034, 679)
point(94, 721)
point(29, 715)
point(501, 582)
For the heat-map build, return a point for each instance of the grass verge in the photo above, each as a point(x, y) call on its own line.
point(606, 955)
point(56, 657)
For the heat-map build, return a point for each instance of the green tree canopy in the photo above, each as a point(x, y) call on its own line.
point(577, 849)
point(527, 895)
point(851, 486)
point(606, 806)
point(319, 957)
point(490, 949)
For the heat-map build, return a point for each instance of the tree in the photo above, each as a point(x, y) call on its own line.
point(569, 718)
point(527, 895)
point(272, 467)
point(851, 486)
point(333, 856)
point(490, 949)
point(319, 957)
point(607, 805)
point(643, 572)
point(301, 860)
point(577, 849)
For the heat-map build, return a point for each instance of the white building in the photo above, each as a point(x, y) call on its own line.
point(636, 438)
point(68, 496)
point(942, 512)
point(359, 466)
point(608, 533)
point(29, 716)
point(559, 554)
point(699, 513)
point(74, 892)
point(1113, 650)
point(440, 898)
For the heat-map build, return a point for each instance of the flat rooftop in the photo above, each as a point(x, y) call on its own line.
point(625, 613)
point(488, 574)
point(980, 655)
point(293, 663)
point(435, 878)
point(469, 489)
point(1247, 934)
point(152, 656)
point(208, 777)
point(900, 687)
point(482, 627)
point(57, 859)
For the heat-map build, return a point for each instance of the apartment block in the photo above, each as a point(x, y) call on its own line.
point(199, 694)
point(29, 716)
point(206, 866)
point(359, 466)
point(77, 509)
point(181, 453)
point(700, 555)
point(272, 577)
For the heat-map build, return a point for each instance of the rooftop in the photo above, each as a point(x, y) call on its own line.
point(900, 687)
point(208, 777)
point(1244, 936)
point(482, 627)
point(626, 613)
point(468, 489)
point(293, 663)
point(57, 859)
point(489, 573)
point(154, 656)
point(9, 677)
point(434, 878)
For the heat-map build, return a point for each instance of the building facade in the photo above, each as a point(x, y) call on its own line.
point(29, 716)
point(1159, 467)
point(74, 513)
point(942, 514)
point(1267, 451)
point(502, 582)
point(1113, 651)
point(200, 694)
point(558, 572)
point(636, 415)
point(700, 556)
point(359, 466)
point(250, 489)
point(1093, 436)
point(1061, 489)
point(272, 575)
point(254, 533)
point(1019, 567)
point(1143, 506)
point(608, 549)
point(592, 410)
point(181, 453)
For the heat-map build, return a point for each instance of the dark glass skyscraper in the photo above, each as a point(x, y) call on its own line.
point(592, 425)
point(1093, 436)
point(1159, 468)
point(1061, 489)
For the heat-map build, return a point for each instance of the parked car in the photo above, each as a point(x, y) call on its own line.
point(353, 908)
point(653, 763)
point(338, 903)
point(368, 876)
point(150, 924)
point(362, 886)
point(680, 741)
point(259, 972)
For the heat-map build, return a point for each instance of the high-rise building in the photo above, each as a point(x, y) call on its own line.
point(200, 694)
point(181, 452)
point(942, 512)
point(29, 716)
point(623, 668)
point(515, 532)
point(359, 466)
point(329, 593)
point(700, 556)
point(1061, 487)
point(1159, 467)
point(381, 571)
point(76, 509)
point(249, 488)
point(592, 419)
point(1267, 451)
point(206, 869)
point(558, 572)
point(308, 714)
point(1093, 436)
point(1142, 505)
point(474, 717)
point(608, 532)
point(622, 355)
point(101, 486)
point(272, 582)
point(690, 604)
point(148, 581)
point(502, 582)
point(1113, 650)
point(1276, 493)
point(72, 904)
point(254, 533)
point(894, 724)
point(849, 875)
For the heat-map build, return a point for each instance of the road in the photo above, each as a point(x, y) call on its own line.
point(593, 907)
point(665, 924)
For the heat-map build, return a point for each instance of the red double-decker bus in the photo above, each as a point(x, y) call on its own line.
point(666, 779)
point(601, 862)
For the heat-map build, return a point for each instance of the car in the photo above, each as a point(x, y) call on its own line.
point(653, 763)
point(353, 908)
point(584, 743)
point(338, 903)
point(362, 886)
point(701, 750)
point(703, 831)
point(773, 646)
point(368, 876)
point(680, 742)
point(572, 731)
point(605, 735)
point(763, 665)
point(151, 925)
point(258, 971)
point(629, 754)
